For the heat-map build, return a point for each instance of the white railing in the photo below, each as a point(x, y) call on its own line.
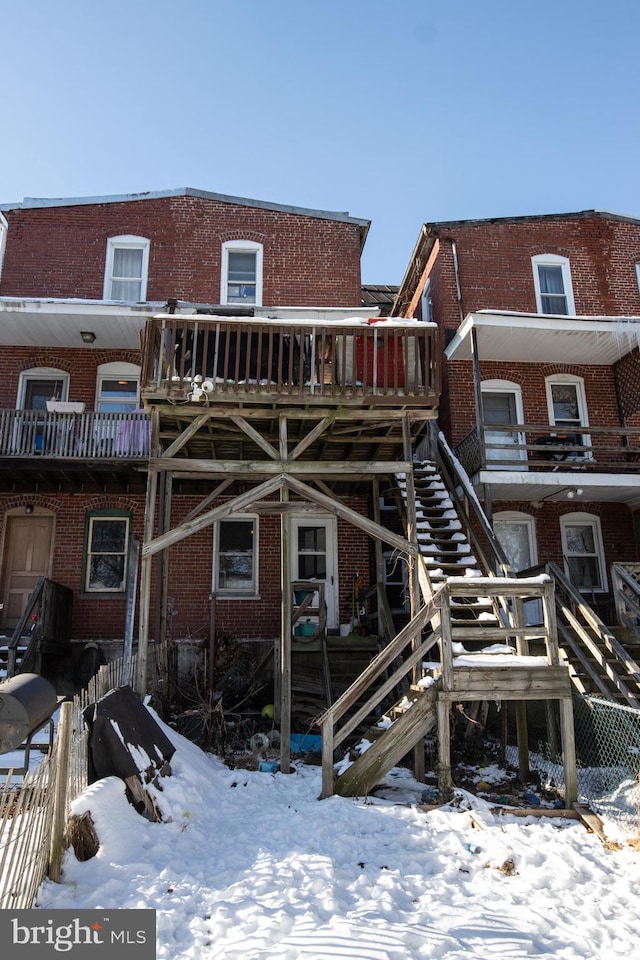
point(74, 436)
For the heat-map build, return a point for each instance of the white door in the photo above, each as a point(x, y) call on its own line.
point(517, 537)
point(502, 407)
point(313, 549)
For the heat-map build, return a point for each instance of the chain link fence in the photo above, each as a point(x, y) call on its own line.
point(607, 738)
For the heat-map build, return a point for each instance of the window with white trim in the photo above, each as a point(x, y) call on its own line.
point(241, 272)
point(106, 551)
point(553, 286)
point(583, 551)
point(40, 384)
point(426, 311)
point(235, 565)
point(118, 388)
point(126, 270)
point(567, 403)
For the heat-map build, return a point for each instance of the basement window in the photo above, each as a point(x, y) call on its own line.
point(235, 566)
point(106, 551)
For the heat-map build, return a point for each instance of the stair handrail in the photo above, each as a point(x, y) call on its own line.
point(380, 663)
point(599, 628)
point(620, 576)
point(452, 470)
point(16, 636)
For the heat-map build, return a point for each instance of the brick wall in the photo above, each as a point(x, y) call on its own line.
point(81, 365)
point(61, 251)
point(494, 262)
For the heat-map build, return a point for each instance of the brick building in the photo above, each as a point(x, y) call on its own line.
point(540, 323)
point(79, 280)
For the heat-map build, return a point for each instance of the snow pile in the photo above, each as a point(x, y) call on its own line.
point(249, 866)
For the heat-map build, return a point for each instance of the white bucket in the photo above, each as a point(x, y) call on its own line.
point(345, 629)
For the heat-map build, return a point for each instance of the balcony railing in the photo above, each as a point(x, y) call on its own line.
point(74, 436)
point(276, 360)
point(546, 447)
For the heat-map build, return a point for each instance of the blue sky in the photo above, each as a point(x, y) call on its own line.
point(399, 112)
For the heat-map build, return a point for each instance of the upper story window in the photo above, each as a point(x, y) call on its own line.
point(241, 272)
point(40, 384)
point(638, 274)
point(552, 281)
point(118, 388)
point(427, 307)
point(126, 270)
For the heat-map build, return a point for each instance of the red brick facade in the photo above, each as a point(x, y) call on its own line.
point(60, 251)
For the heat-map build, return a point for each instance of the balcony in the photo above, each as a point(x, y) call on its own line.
point(38, 436)
point(354, 363)
point(537, 461)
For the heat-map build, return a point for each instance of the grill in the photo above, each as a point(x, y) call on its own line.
point(27, 703)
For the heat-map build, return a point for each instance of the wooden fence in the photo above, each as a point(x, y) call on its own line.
point(34, 808)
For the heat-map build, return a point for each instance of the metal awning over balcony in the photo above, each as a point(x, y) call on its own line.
point(538, 338)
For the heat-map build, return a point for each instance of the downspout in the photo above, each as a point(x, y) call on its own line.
point(456, 270)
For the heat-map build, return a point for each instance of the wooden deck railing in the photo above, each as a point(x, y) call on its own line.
point(547, 447)
point(230, 359)
point(74, 436)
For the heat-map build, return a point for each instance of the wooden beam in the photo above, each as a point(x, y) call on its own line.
point(346, 513)
point(186, 435)
point(269, 467)
point(210, 497)
point(311, 437)
point(257, 438)
point(184, 530)
point(285, 638)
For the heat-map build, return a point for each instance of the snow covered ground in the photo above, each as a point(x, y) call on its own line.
point(250, 865)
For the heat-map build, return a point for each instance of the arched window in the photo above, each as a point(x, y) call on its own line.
point(118, 388)
point(241, 272)
point(583, 551)
point(40, 384)
point(567, 404)
point(126, 269)
point(502, 405)
point(552, 282)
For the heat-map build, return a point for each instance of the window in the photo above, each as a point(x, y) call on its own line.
point(552, 281)
point(241, 274)
point(427, 307)
point(638, 274)
point(40, 384)
point(118, 388)
point(126, 270)
point(568, 410)
point(107, 548)
point(235, 568)
point(516, 534)
point(583, 551)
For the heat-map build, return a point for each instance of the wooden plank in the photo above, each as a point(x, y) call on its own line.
point(257, 438)
point(370, 767)
point(189, 465)
point(186, 435)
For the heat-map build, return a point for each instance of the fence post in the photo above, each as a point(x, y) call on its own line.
point(60, 791)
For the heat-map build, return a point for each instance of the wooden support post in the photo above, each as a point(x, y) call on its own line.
point(65, 727)
point(284, 666)
point(445, 782)
point(524, 771)
point(379, 558)
point(145, 586)
point(568, 752)
point(327, 757)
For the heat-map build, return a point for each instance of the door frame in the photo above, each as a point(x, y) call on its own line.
point(330, 523)
point(23, 512)
point(509, 388)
